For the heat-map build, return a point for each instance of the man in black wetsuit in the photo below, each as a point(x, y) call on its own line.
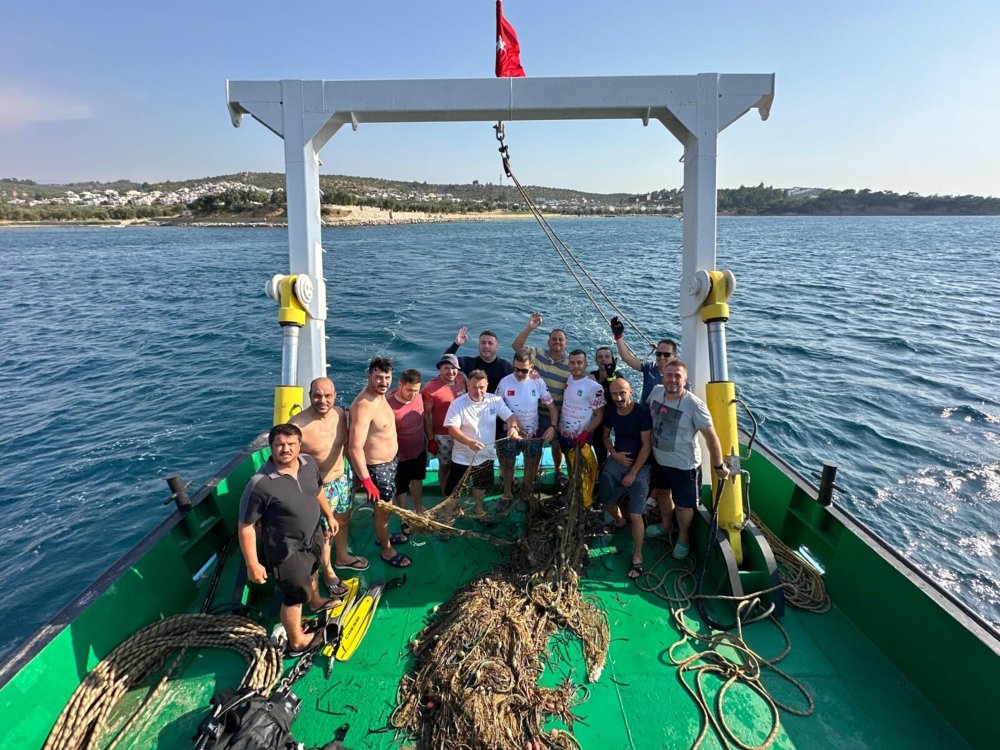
point(605, 374)
point(496, 368)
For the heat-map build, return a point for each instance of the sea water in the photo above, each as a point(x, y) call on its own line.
point(127, 354)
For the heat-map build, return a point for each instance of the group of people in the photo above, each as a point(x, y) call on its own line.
point(299, 502)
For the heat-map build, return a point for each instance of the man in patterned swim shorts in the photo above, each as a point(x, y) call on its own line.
point(324, 437)
point(372, 447)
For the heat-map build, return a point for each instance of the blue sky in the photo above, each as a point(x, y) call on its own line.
point(887, 95)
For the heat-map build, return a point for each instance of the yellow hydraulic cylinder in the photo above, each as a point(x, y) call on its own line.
point(721, 400)
point(720, 395)
point(290, 310)
point(287, 403)
point(288, 398)
point(715, 306)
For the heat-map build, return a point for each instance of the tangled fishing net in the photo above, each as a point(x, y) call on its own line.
point(477, 664)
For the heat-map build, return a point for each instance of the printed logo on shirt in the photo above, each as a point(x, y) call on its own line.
point(512, 392)
point(493, 411)
point(579, 392)
point(533, 394)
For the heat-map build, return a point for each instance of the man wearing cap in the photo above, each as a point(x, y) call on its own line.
point(495, 367)
point(438, 395)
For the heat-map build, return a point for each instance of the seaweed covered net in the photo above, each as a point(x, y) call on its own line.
point(477, 664)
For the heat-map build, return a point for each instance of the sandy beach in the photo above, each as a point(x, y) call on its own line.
point(332, 216)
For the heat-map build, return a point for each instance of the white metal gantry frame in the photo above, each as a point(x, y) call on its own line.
point(694, 108)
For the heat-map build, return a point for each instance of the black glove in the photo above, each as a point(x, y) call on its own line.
point(617, 328)
point(609, 369)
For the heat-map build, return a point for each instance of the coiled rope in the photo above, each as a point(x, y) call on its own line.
point(804, 586)
point(84, 719)
point(676, 585)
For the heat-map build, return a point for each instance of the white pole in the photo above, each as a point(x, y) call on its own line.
point(700, 162)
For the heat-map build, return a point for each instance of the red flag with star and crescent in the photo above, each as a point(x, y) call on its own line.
point(508, 50)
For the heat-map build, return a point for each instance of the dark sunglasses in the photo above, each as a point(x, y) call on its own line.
point(664, 354)
point(518, 369)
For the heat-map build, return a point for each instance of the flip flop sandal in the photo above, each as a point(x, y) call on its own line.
point(337, 590)
point(397, 538)
point(405, 529)
point(330, 603)
point(637, 569)
point(396, 561)
point(356, 564)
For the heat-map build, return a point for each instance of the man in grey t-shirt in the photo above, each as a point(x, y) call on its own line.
point(678, 416)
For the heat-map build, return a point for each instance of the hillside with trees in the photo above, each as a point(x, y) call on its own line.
point(261, 194)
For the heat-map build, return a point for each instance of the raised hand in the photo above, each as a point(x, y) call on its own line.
point(617, 328)
point(462, 337)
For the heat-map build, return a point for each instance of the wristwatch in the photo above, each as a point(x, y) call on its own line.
point(720, 466)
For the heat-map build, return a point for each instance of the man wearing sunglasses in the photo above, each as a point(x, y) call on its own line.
point(651, 369)
point(525, 396)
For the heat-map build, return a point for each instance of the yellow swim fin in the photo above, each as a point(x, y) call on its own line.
point(357, 621)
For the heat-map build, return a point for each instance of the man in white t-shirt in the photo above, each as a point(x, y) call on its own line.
point(472, 422)
point(525, 396)
point(678, 416)
point(581, 414)
point(583, 403)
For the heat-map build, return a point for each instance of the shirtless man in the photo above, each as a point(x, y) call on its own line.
point(372, 449)
point(324, 436)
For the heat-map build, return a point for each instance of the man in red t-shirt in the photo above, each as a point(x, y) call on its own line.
point(438, 395)
point(408, 409)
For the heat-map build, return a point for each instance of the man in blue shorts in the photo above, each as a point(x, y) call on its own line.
point(324, 436)
point(525, 396)
point(626, 470)
point(285, 500)
point(678, 416)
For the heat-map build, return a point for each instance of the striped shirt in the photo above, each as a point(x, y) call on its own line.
point(553, 371)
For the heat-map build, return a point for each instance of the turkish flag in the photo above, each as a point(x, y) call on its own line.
point(508, 50)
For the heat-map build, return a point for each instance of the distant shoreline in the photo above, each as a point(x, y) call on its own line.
point(335, 217)
point(373, 217)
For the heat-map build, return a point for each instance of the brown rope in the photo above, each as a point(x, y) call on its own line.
point(84, 719)
point(474, 684)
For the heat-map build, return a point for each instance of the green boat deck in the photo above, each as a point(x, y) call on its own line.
point(862, 700)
